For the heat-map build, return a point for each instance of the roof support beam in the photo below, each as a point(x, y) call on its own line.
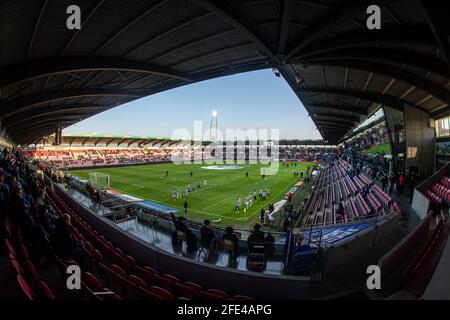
point(386, 56)
point(341, 12)
point(50, 125)
point(49, 112)
point(36, 27)
point(386, 100)
point(30, 70)
point(403, 36)
point(437, 19)
point(332, 124)
point(287, 9)
point(55, 120)
point(392, 73)
point(337, 107)
point(232, 18)
point(123, 28)
point(17, 105)
point(173, 28)
point(337, 117)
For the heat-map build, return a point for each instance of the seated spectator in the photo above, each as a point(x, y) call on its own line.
point(229, 235)
point(181, 226)
point(256, 237)
point(269, 242)
point(45, 218)
point(206, 234)
point(64, 243)
point(340, 210)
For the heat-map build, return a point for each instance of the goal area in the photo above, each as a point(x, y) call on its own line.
point(99, 180)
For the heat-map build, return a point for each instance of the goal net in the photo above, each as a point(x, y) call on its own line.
point(100, 180)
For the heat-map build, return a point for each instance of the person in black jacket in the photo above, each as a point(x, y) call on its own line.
point(256, 237)
point(64, 243)
point(229, 235)
point(206, 234)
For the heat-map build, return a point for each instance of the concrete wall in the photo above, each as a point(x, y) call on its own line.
point(420, 140)
point(344, 251)
point(394, 257)
point(438, 288)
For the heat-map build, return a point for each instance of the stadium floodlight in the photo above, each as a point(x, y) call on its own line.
point(213, 125)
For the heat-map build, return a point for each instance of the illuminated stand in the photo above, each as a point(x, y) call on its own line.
point(213, 126)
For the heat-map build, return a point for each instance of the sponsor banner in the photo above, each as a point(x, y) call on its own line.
point(333, 234)
point(157, 207)
point(121, 196)
point(128, 198)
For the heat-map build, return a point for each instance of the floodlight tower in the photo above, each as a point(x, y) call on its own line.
point(213, 126)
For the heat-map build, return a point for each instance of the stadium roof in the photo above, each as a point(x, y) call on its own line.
point(125, 50)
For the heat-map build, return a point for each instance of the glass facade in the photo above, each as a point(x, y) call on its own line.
point(442, 127)
point(396, 125)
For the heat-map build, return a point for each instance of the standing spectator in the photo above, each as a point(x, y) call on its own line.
point(269, 243)
point(392, 182)
point(412, 184)
point(262, 214)
point(401, 183)
point(185, 205)
point(384, 182)
point(229, 235)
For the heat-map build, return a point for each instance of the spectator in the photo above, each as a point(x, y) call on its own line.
point(401, 183)
point(185, 205)
point(256, 237)
point(229, 235)
point(206, 234)
point(64, 243)
point(180, 225)
point(269, 242)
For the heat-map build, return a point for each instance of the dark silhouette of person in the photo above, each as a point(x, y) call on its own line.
point(256, 237)
point(269, 242)
point(229, 235)
point(206, 234)
point(185, 205)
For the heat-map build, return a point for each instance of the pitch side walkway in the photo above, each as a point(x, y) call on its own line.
point(162, 239)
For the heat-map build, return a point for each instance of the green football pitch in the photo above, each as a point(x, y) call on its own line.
point(214, 202)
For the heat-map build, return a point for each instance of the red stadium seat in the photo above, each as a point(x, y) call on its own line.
point(193, 285)
point(148, 295)
point(143, 274)
point(218, 293)
point(242, 297)
point(91, 281)
point(186, 291)
point(45, 291)
point(209, 296)
point(16, 266)
point(26, 288)
point(166, 283)
point(137, 281)
point(165, 294)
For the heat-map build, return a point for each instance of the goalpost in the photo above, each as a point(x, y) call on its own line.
point(100, 180)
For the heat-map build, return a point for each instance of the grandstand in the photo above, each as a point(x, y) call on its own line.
point(374, 191)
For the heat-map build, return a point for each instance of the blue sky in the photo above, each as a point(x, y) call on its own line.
point(257, 100)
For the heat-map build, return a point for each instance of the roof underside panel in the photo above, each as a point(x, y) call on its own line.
point(125, 50)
